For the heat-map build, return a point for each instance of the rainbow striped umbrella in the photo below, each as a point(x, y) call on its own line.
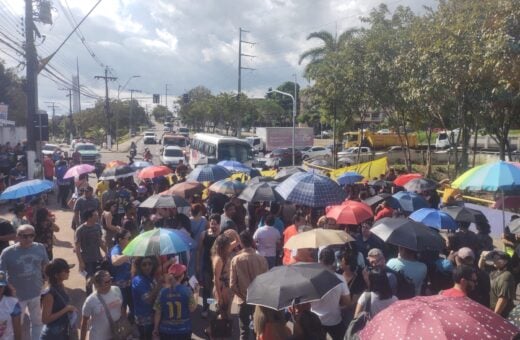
point(490, 177)
point(159, 241)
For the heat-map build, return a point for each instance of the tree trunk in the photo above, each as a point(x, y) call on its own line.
point(475, 146)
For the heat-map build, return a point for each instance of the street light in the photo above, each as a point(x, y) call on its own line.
point(119, 89)
point(293, 120)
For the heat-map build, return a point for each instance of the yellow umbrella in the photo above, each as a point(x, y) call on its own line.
point(317, 238)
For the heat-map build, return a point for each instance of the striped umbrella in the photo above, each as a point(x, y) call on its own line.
point(209, 173)
point(159, 241)
point(228, 187)
point(490, 177)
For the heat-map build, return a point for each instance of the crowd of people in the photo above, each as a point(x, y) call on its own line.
point(235, 241)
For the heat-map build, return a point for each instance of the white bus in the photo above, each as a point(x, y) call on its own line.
point(210, 149)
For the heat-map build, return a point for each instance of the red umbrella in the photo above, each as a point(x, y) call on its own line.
point(438, 317)
point(154, 171)
point(400, 181)
point(350, 212)
point(185, 189)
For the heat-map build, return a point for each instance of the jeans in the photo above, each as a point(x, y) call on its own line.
point(63, 194)
point(35, 314)
point(336, 332)
point(55, 332)
point(245, 315)
point(145, 332)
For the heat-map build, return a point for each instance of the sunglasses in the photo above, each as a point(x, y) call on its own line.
point(26, 235)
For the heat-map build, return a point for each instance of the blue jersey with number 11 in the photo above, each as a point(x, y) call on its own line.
point(174, 309)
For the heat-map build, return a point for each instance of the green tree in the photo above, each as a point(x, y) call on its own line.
point(160, 112)
point(12, 94)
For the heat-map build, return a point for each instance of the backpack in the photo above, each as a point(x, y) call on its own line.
point(405, 285)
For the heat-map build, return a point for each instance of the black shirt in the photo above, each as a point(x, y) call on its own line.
point(6, 228)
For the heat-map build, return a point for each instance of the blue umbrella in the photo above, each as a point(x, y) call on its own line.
point(310, 189)
point(140, 165)
point(349, 177)
point(434, 218)
point(26, 188)
point(235, 166)
point(408, 201)
point(209, 173)
point(490, 177)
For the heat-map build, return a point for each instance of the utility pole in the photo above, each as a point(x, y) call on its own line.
point(53, 106)
point(107, 106)
point(240, 68)
point(71, 121)
point(31, 86)
point(79, 86)
point(131, 110)
point(166, 95)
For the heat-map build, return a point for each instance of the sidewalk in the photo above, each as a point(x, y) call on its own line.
point(124, 146)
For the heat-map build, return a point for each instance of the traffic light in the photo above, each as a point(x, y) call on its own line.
point(156, 99)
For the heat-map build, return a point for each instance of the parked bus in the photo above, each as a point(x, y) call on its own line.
point(211, 149)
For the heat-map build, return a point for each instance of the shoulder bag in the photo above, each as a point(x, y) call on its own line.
point(359, 322)
point(121, 329)
point(72, 330)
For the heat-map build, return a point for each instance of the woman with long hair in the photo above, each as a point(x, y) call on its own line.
point(144, 292)
point(10, 312)
point(221, 260)
point(270, 324)
point(107, 222)
point(58, 315)
point(44, 228)
point(121, 268)
point(379, 292)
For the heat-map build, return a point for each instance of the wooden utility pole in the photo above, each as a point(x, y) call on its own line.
point(107, 106)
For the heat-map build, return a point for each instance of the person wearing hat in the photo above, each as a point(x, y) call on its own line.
point(173, 306)
point(502, 292)
point(466, 257)
point(57, 312)
point(10, 311)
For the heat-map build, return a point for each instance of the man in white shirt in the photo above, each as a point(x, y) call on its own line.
point(329, 307)
point(268, 240)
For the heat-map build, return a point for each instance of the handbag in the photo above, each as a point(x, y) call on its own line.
point(121, 329)
point(220, 327)
point(359, 322)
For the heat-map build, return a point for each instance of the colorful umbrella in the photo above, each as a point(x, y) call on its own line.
point(154, 171)
point(420, 184)
point(159, 241)
point(113, 164)
point(209, 173)
point(350, 212)
point(185, 189)
point(316, 238)
point(26, 188)
point(79, 170)
point(284, 286)
point(228, 187)
point(349, 177)
point(434, 218)
point(463, 214)
point(490, 177)
point(164, 201)
point(400, 181)
point(260, 192)
point(408, 234)
point(117, 172)
point(408, 201)
point(310, 189)
point(438, 317)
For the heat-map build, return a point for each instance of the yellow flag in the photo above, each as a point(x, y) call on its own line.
point(369, 170)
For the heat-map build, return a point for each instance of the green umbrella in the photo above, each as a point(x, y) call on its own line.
point(159, 241)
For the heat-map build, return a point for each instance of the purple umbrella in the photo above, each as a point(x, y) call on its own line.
point(78, 170)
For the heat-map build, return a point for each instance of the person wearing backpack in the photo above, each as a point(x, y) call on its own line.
point(408, 268)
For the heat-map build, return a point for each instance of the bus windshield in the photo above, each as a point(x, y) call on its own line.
point(234, 152)
point(181, 142)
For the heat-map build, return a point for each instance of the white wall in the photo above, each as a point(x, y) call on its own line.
point(12, 134)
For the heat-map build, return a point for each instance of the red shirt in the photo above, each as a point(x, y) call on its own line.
point(289, 232)
point(48, 167)
point(385, 212)
point(452, 292)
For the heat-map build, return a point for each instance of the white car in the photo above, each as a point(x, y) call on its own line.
point(149, 137)
point(364, 150)
point(171, 155)
point(48, 149)
point(316, 152)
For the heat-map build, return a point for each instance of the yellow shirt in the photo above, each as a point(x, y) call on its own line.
point(101, 187)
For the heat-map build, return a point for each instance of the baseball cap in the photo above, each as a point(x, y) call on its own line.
point(465, 252)
point(177, 269)
point(3, 279)
point(375, 252)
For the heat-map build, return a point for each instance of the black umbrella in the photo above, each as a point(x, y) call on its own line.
point(463, 214)
point(117, 172)
point(375, 200)
point(420, 184)
point(287, 172)
point(408, 234)
point(260, 192)
point(164, 201)
point(284, 286)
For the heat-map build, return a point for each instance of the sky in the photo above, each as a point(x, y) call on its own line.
point(180, 43)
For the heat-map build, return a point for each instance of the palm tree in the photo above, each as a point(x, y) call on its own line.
point(331, 44)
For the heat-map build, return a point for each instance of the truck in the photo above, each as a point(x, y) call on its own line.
point(270, 138)
point(88, 151)
point(377, 141)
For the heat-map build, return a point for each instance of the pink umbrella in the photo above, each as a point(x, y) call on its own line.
point(438, 317)
point(78, 170)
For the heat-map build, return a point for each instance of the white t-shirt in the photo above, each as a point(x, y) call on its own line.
point(99, 324)
point(376, 305)
point(9, 307)
point(328, 309)
point(266, 238)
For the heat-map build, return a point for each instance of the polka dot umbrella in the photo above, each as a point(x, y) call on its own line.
point(438, 317)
